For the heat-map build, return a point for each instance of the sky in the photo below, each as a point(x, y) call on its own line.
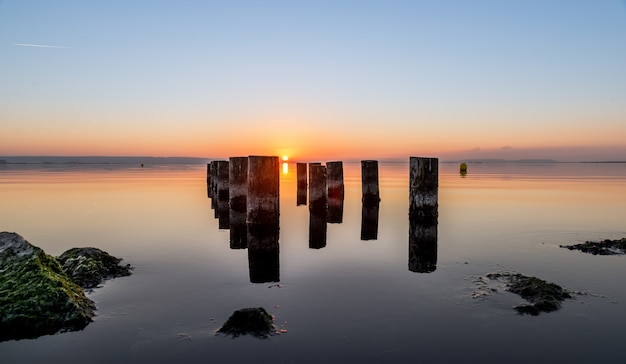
point(453, 79)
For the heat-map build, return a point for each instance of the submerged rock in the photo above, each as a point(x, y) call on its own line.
point(605, 247)
point(541, 296)
point(36, 295)
point(249, 321)
point(88, 267)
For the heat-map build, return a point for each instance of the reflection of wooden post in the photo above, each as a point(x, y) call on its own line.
point(222, 194)
point(334, 173)
point(422, 247)
point(237, 192)
point(263, 198)
point(208, 180)
point(369, 221)
point(264, 265)
point(302, 184)
point(369, 181)
point(335, 210)
point(317, 228)
point(317, 187)
point(423, 185)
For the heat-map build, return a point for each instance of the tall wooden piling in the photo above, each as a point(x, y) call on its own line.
point(301, 172)
point(237, 192)
point(423, 189)
point(317, 187)
point(263, 201)
point(369, 182)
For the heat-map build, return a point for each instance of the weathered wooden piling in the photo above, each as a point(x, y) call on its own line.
point(238, 182)
point(334, 178)
point(212, 180)
point(369, 220)
point(369, 181)
point(422, 247)
point(208, 180)
point(423, 189)
point(301, 173)
point(317, 187)
point(335, 210)
point(263, 202)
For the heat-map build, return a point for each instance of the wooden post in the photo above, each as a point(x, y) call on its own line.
point(302, 184)
point(424, 185)
point(369, 181)
point(335, 210)
point(208, 179)
point(263, 218)
point(317, 187)
point(263, 202)
point(223, 210)
point(237, 192)
point(334, 173)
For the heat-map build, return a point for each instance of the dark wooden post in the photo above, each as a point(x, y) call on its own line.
point(369, 181)
point(302, 183)
point(263, 218)
point(237, 192)
point(223, 210)
point(424, 186)
point(369, 220)
point(334, 173)
point(422, 247)
point(208, 180)
point(318, 228)
point(317, 187)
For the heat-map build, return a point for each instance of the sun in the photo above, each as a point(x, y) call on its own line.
point(285, 158)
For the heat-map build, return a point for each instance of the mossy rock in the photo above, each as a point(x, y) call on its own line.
point(541, 296)
point(36, 296)
point(605, 247)
point(249, 321)
point(88, 267)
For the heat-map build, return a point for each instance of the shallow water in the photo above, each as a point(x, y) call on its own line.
point(352, 300)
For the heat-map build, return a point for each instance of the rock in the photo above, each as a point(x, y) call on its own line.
point(606, 247)
point(36, 295)
point(249, 321)
point(88, 267)
point(541, 296)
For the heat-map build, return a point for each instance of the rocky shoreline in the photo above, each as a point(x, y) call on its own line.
point(43, 295)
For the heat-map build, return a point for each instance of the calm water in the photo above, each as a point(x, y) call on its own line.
point(352, 300)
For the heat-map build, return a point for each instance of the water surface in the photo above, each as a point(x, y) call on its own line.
point(350, 300)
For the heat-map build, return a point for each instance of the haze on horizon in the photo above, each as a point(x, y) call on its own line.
point(351, 79)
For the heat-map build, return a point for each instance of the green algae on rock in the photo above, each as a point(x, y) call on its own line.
point(605, 247)
point(88, 267)
point(249, 321)
point(36, 296)
point(541, 296)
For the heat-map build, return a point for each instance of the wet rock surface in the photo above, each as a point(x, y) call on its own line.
point(249, 321)
point(43, 295)
point(605, 247)
point(36, 296)
point(88, 267)
point(540, 295)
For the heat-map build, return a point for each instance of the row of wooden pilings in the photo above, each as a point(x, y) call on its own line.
point(244, 193)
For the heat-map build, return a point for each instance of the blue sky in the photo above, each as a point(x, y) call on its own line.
point(341, 78)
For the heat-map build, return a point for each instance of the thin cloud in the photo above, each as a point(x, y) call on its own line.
point(39, 46)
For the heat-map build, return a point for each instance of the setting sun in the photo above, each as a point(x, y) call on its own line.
point(285, 158)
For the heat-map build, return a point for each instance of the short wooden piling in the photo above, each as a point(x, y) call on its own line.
point(334, 177)
point(301, 172)
point(423, 189)
point(369, 181)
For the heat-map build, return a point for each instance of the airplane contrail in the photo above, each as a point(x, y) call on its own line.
point(39, 45)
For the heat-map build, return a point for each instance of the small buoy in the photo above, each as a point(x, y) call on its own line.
point(463, 169)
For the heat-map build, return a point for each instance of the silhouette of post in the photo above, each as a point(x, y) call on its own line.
point(369, 181)
point(263, 218)
point(302, 183)
point(222, 194)
point(423, 189)
point(208, 180)
point(317, 187)
point(237, 192)
point(334, 173)
point(318, 228)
